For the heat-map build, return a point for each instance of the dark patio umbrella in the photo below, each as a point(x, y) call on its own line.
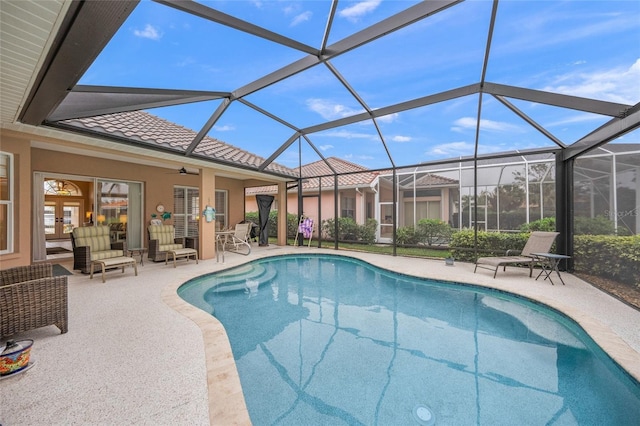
point(264, 207)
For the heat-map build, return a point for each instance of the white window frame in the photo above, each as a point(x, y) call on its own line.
point(186, 214)
point(9, 203)
point(222, 213)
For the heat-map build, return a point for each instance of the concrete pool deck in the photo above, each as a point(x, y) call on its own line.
point(136, 353)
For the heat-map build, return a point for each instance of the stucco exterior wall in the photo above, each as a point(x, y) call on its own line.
point(158, 183)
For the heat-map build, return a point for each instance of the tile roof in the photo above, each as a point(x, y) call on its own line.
point(435, 180)
point(147, 128)
point(358, 176)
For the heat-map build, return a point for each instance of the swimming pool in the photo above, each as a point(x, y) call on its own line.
point(325, 339)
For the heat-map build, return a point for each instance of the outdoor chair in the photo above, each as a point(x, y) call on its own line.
point(31, 297)
point(92, 243)
point(161, 240)
point(239, 240)
point(538, 242)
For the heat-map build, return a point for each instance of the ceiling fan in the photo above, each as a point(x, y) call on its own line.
point(184, 171)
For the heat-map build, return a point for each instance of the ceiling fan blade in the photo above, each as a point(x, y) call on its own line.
point(184, 171)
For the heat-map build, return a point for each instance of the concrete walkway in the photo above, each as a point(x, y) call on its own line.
point(136, 353)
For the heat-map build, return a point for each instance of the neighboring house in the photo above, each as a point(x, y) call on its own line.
point(355, 198)
point(363, 195)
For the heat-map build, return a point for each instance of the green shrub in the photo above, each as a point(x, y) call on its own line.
point(367, 232)
point(608, 256)
point(407, 236)
point(489, 244)
point(349, 230)
point(599, 225)
point(433, 232)
point(545, 224)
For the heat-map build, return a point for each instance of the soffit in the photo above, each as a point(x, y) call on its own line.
point(27, 30)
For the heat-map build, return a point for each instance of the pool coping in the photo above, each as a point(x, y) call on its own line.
point(226, 399)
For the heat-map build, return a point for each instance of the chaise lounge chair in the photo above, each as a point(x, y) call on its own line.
point(538, 242)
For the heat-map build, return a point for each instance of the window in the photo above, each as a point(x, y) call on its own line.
point(348, 207)
point(221, 209)
point(6, 203)
point(186, 211)
point(63, 188)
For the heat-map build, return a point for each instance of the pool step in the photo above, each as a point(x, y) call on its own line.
point(253, 276)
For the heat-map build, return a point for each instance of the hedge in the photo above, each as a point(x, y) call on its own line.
point(489, 244)
point(608, 256)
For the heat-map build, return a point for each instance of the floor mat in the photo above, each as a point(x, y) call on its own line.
point(57, 250)
point(59, 270)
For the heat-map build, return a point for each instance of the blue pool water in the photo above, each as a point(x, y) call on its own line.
point(329, 340)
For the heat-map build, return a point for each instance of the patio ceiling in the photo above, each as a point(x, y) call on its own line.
point(74, 38)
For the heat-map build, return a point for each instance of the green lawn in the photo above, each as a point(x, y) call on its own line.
point(380, 249)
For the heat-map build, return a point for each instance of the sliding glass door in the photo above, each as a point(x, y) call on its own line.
point(119, 206)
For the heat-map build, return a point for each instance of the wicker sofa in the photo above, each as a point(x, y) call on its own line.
point(31, 297)
point(161, 239)
point(93, 243)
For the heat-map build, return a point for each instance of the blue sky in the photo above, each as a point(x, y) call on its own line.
point(581, 48)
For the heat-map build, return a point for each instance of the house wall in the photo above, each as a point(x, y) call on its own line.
point(235, 198)
point(310, 205)
point(158, 182)
point(158, 186)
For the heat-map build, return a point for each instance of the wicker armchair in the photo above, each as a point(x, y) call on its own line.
point(161, 239)
point(93, 243)
point(31, 297)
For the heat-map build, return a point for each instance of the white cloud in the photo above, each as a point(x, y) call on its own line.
point(460, 149)
point(186, 62)
point(364, 157)
point(149, 32)
point(303, 17)
point(345, 134)
point(329, 110)
point(451, 149)
point(359, 9)
point(389, 118)
point(620, 84)
point(325, 147)
point(225, 128)
point(579, 118)
point(491, 125)
point(401, 139)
